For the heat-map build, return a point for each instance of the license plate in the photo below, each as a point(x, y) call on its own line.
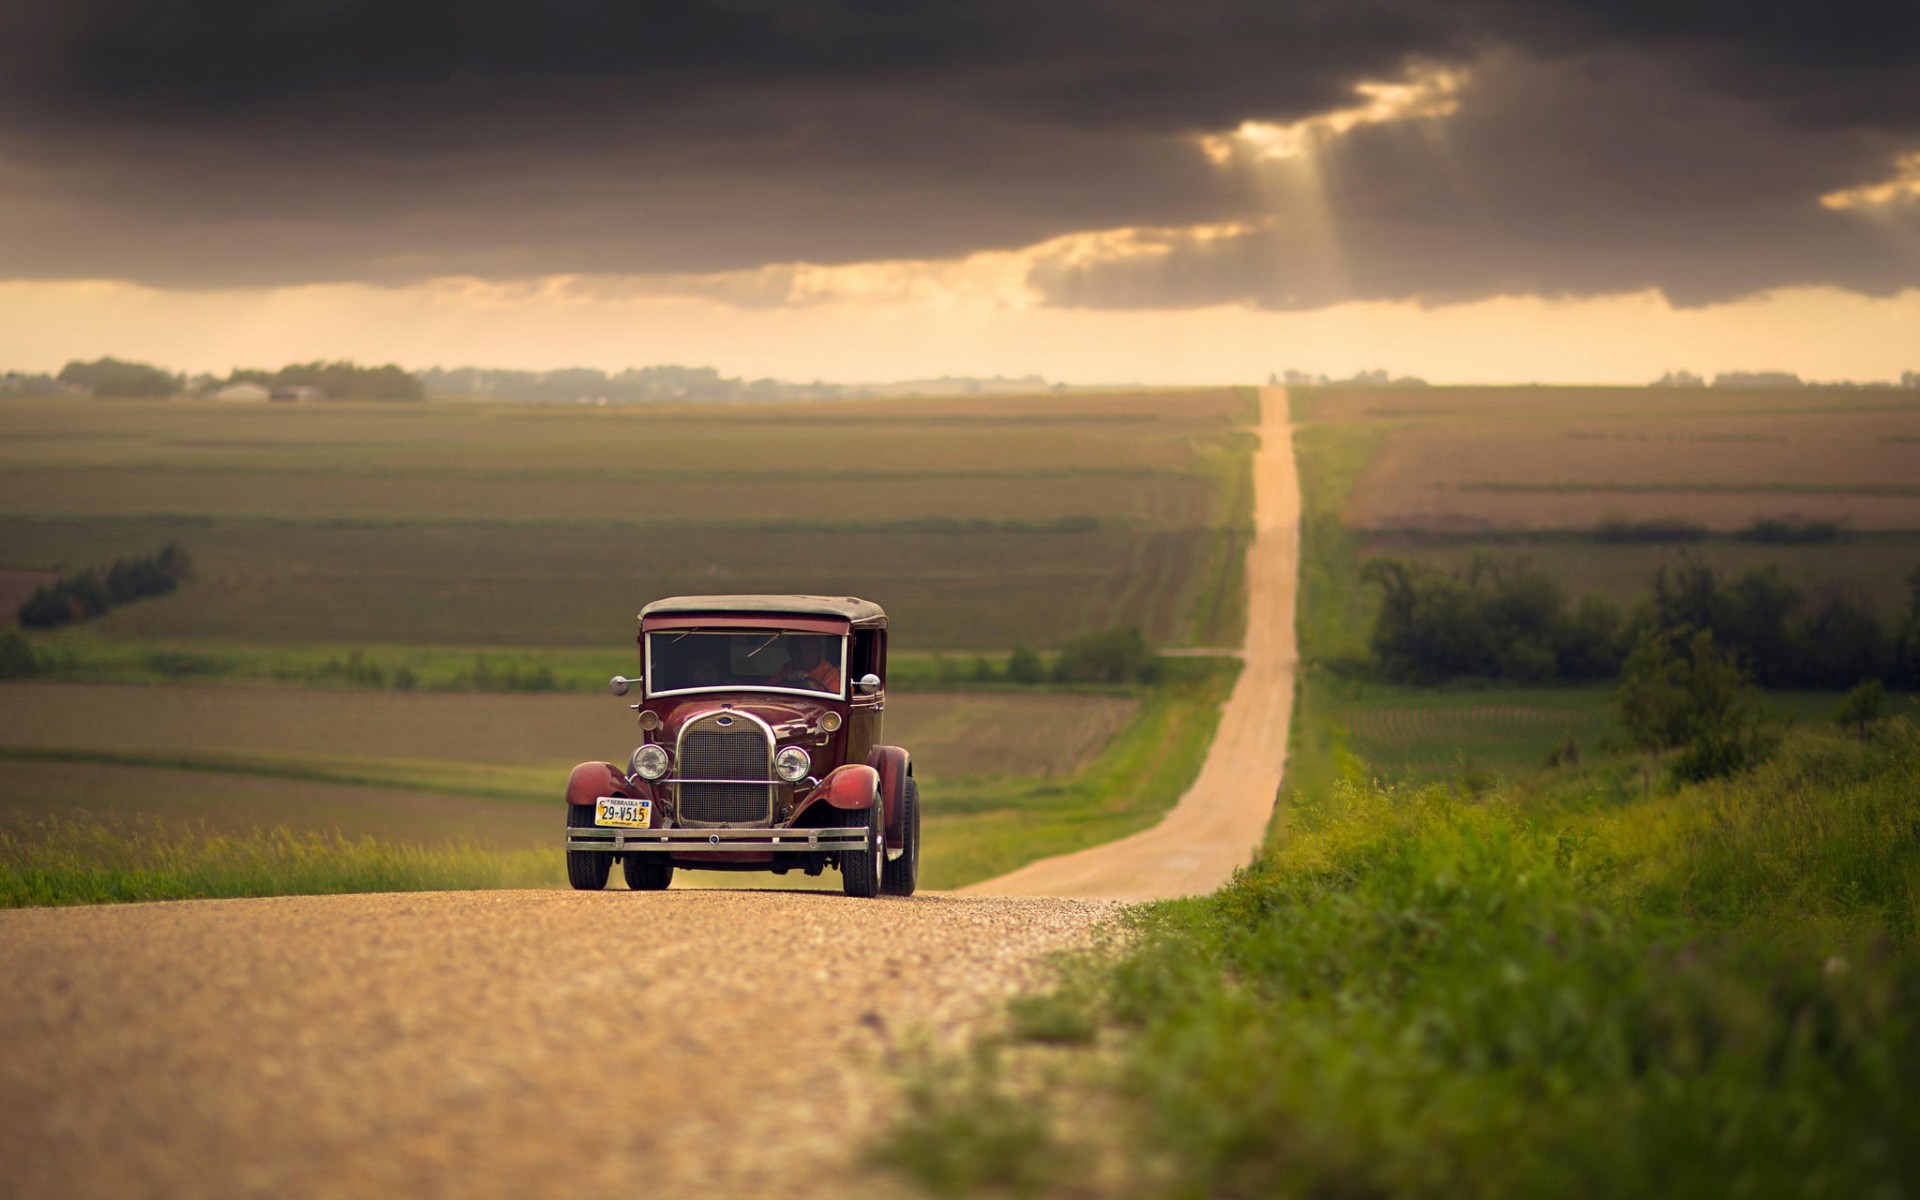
point(628, 814)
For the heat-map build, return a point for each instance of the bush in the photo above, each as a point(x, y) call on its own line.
point(1590, 640)
point(1501, 620)
point(1024, 666)
point(17, 658)
point(1678, 691)
point(47, 608)
point(1842, 642)
point(1108, 656)
point(1862, 706)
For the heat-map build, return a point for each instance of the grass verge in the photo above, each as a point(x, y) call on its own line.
point(1543, 992)
point(87, 862)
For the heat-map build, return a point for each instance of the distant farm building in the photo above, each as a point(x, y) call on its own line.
point(251, 393)
point(298, 394)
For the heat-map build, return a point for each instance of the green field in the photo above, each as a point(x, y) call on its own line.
point(1423, 735)
point(402, 617)
point(979, 524)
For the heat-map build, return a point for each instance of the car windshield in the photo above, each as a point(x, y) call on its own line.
point(694, 660)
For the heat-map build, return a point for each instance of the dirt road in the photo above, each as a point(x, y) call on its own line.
point(513, 1044)
point(482, 1044)
point(1221, 819)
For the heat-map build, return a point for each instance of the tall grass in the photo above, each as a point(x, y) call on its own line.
point(1713, 992)
point(89, 862)
point(1826, 837)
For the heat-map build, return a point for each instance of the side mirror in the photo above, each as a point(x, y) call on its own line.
point(619, 684)
point(868, 684)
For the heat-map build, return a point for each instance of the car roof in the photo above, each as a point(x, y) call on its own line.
point(847, 608)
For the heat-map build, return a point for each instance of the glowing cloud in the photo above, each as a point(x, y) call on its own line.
point(1902, 189)
point(1430, 93)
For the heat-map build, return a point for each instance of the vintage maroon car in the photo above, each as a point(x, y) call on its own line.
point(760, 750)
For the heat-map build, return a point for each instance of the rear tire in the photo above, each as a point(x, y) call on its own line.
point(901, 875)
point(587, 870)
point(860, 870)
point(647, 872)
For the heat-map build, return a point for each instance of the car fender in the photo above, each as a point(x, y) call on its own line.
point(893, 765)
point(591, 780)
point(852, 786)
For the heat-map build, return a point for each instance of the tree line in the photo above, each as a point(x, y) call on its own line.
point(91, 592)
point(112, 377)
point(1504, 619)
point(342, 380)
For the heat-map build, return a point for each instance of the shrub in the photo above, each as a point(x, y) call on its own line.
point(1678, 691)
point(1500, 620)
point(17, 658)
point(1861, 708)
point(1024, 666)
point(47, 608)
point(1590, 640)
point(1842, 642)
point(1108, 656)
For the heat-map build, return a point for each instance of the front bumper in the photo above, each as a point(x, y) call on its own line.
point(714, 841)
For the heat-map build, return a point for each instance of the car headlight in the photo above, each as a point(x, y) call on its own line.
point(648, 762)
point(792, 764)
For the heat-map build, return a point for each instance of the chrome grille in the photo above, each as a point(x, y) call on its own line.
point(710, 750)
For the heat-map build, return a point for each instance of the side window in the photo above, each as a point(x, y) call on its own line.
point(868, 654)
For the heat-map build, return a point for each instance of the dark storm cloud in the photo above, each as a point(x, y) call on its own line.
point(1609, 173)
point(1602, 145)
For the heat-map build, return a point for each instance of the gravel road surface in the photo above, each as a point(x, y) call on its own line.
point(1222, 818)
point(479, 1044)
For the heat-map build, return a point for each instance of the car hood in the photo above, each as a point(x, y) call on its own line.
point(775, 712)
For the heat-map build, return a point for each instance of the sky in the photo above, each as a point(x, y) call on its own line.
point(1209, 191)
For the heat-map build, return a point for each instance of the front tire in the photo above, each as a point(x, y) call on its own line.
point(899, 876)
point(587, 870)
point(647, 872)
point(860, 872)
